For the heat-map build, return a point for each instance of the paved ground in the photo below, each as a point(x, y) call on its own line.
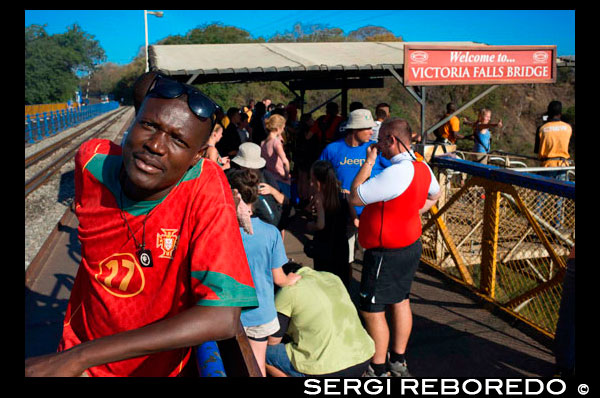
point(453, 335)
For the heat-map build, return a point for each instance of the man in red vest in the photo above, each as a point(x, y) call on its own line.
point(390, 231)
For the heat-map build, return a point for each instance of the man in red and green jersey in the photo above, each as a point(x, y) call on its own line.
point(163, 266)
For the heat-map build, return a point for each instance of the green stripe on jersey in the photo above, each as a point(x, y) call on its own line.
point(229, 291)
point(106, 169)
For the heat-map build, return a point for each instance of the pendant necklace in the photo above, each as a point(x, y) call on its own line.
point(144, 255)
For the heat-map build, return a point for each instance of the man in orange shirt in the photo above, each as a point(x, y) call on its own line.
point(449, 130)
point(552, 146)
point(552, 139)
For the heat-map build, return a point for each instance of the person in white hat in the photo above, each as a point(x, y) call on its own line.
point(248, 156)
point(348, 154)
point(268, 207)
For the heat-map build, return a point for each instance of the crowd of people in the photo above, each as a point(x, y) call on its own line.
point(182, 229)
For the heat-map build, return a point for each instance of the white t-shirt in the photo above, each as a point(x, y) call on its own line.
point(393, 181)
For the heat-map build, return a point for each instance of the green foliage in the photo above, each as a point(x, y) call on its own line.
point(569, 115)
point(123, 87)
point(304, 33)
point(215, 33)
point(229, 95)
point(373, 33)
point(52, 62)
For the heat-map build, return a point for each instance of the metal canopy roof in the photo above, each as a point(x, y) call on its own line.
point(201, 63)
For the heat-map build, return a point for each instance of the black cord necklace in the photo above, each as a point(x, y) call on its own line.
point(144, 255)
point(411, 155)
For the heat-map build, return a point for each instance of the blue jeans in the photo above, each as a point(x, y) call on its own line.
point(542, 197)
point(277, 357)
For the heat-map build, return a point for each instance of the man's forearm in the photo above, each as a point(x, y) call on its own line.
point(278, 196)
point(189, 328)
point(429, 202)
point(427, 206)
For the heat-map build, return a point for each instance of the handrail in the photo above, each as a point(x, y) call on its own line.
point(504, 234)
point(526, 180)
point(42, 125)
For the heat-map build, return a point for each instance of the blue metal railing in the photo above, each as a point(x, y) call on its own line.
point(526, 180)
point(47, 124)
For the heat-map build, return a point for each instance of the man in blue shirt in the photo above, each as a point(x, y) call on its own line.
point(349, 153)
point(266, 255)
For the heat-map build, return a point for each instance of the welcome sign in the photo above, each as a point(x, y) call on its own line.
point(442, 65)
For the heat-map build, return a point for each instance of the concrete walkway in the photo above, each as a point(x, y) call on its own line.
point(453, 334)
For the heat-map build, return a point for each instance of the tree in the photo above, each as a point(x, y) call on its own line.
point(104, 79)
point(373, 33)
point(303, 33)
point(53, 62)
point(124, 86)
point(214, 33)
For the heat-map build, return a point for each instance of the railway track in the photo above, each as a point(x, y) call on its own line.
point(42, 165)
point(46, 204)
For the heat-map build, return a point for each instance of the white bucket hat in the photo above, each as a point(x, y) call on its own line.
point(360, 119)
point(249, 156)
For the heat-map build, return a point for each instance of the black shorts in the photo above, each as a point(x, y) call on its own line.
point(387, 276)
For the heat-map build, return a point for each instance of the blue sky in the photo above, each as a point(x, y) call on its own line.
point(121, 32)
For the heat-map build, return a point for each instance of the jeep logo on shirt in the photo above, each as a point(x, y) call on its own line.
point(351, 162)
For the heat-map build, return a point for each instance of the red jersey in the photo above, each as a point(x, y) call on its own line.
point(325, 127)
point(196, 246)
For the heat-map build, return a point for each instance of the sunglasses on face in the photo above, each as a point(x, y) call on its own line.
point(199, 104)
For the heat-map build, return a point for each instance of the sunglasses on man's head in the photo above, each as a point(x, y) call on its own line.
point(199, 104)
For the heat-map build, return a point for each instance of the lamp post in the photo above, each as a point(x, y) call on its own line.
point(146, 12)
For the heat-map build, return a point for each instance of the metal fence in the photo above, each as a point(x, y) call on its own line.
point(46, 124)
point(504, 234)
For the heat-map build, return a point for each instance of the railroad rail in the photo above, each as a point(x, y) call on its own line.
point(71, 145)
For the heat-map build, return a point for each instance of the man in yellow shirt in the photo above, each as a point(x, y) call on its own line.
point(248, 109)
point(552, 146)
point(552, 139)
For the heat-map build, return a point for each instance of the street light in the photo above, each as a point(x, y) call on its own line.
point(155, 13)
